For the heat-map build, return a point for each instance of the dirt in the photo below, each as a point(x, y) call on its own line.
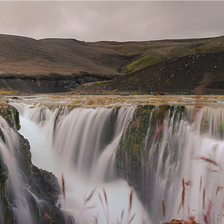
point(64, 65)
point(175, 76)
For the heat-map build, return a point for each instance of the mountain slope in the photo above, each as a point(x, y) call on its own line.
point(60, 65)
point(175, 76)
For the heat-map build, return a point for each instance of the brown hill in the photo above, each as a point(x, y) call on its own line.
point(55, 65)
point(175, 76)
point(26, 57)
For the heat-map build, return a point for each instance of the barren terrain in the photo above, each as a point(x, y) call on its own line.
point(62, 65)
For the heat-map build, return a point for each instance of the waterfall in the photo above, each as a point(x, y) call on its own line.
point(17, 189)
point(192, 150)
point(81, 145)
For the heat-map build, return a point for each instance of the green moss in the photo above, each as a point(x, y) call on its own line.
point(133, 145)
point(59, 109)
point(132, 142)
point(138, 147)
point(11, 115)
point(210, 48)
point(140, 63)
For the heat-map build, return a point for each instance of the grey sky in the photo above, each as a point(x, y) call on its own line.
point(112, 20)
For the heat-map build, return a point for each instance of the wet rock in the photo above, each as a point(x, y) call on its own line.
point(42, 184)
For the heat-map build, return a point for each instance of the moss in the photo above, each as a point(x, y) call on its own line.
point(209, 48)
point(137, 141)
point(132, 141)
point(11, 115)
point(140, 63)
point(60, 109)
point(8, 91)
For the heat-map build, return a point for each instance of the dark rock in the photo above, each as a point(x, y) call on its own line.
point(43, 185)
point(89, 78)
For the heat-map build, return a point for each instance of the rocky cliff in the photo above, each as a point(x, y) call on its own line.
point(42, 184)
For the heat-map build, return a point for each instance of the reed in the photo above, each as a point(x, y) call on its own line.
point(95, 219)
point(183, 192)
point(90, 196)
point(105, 198)
point(122, 215)
point(164, 209)
point(203, 198)
point(129, 209)
point(132, 218)
point(63, 191)
point(104, 211)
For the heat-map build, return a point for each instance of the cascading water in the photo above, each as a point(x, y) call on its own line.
point(81, 145)
point(16, 186)
point(192, 150)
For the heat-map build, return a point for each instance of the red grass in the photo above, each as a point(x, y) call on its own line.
point(189, 183)
point(204, 198)
point(209, 160)
point(90, 196)
point(164, 210)
point(218, 189)
point(183, 192)
point(200, 183)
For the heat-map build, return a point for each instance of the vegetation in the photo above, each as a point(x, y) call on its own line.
point(142, 62)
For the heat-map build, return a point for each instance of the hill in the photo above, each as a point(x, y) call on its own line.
point(192, 74)
point(59, 65)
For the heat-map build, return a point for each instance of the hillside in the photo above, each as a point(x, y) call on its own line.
point(59, 65)
point(175, 76)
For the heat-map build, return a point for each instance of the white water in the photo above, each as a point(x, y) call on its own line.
point(16, 188)
point(82, 147)
point(78, 148)
point(191, 145)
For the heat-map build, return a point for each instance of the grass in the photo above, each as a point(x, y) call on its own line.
point(210, 49)
point(8, 91)
point(154, 52)
point(144, 61)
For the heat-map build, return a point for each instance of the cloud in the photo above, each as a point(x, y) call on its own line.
point(112, 20)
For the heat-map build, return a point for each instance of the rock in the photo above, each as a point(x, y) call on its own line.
point(43, 185)
point(133, 152)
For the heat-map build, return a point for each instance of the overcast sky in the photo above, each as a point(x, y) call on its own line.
point(112, 20)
